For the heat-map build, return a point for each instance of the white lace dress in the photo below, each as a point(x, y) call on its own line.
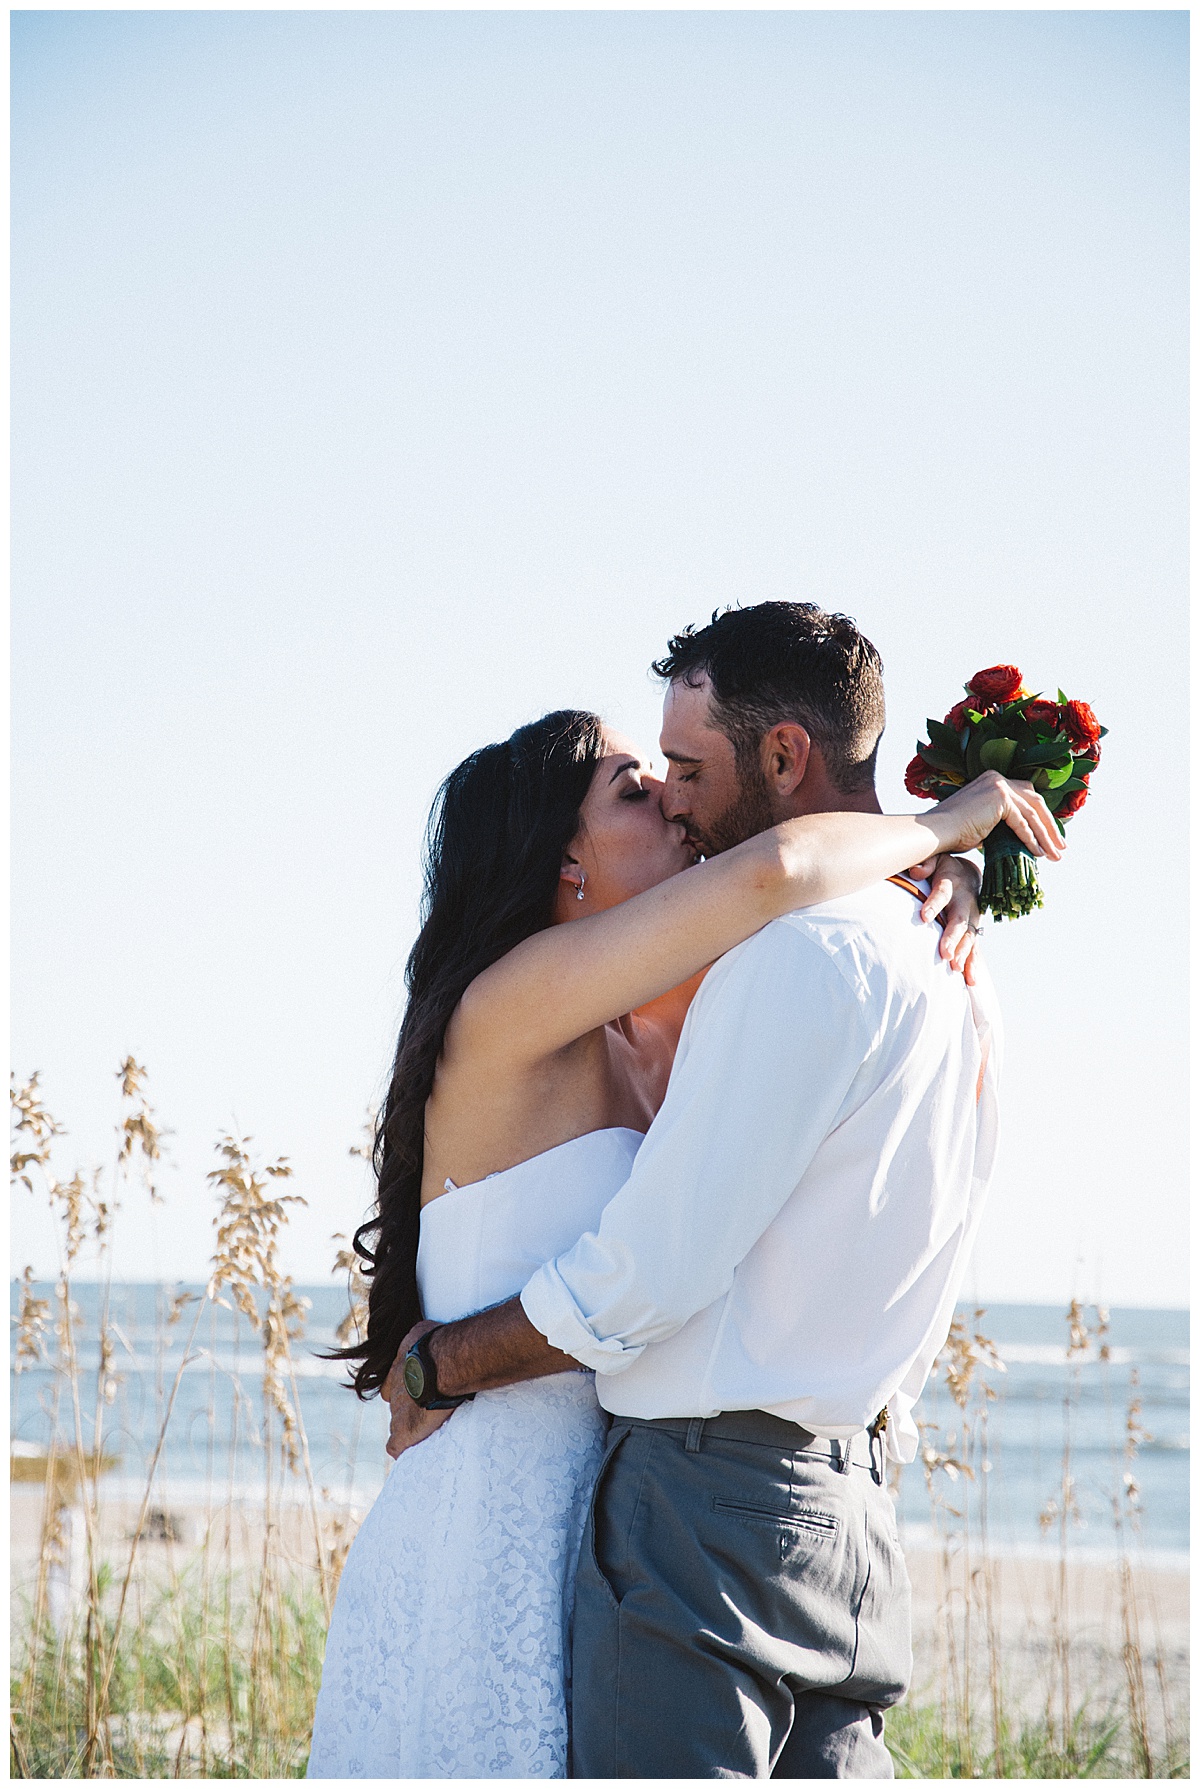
point(449, 1650)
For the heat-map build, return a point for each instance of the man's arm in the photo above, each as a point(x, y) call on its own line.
point(768, 1062)
point(497, 1347)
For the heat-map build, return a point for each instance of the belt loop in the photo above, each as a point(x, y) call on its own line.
point(842, 1456)
point(695, 1430)
point(875, 1434)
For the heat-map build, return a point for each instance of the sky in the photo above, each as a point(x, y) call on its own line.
point(383, 380)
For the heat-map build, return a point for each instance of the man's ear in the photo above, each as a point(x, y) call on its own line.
point(786, 751)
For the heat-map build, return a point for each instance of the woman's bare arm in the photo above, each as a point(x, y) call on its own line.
point(565, 981)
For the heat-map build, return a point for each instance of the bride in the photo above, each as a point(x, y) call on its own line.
point(547, 989)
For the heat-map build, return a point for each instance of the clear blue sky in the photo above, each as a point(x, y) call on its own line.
point(382, 380)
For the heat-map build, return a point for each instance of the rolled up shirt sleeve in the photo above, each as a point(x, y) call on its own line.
point(767, 1063)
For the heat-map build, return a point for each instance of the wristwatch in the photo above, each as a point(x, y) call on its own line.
point(420, 1378)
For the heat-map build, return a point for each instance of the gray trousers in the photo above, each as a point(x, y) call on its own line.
point(742, 1607)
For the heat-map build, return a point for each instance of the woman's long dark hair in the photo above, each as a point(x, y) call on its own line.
point(494, 845)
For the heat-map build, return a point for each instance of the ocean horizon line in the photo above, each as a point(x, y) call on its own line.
point(328, 1283)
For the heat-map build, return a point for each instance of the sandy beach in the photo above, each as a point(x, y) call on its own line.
point(1024, 1590)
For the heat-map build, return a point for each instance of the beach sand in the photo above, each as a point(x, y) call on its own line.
point(1025, 1593)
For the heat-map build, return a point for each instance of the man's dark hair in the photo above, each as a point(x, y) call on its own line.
point(788, 662)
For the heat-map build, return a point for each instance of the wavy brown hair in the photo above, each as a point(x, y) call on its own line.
point(494, 846)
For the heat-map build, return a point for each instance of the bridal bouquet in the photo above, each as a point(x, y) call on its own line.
point(1001, 726)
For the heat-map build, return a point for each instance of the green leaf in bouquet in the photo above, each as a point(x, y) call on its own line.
point(1062, 700)
point(1057, 777)
point(950, 763)
point(1084, 766)
point(1053, 797)
point(1053, 753)
point(1103, 732)
point(997, 754)
point(979, 738)
point(945, 739)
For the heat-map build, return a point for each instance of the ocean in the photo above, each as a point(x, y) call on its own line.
point(1043, 1398)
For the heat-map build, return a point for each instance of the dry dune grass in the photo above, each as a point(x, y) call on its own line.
point(148, 1646)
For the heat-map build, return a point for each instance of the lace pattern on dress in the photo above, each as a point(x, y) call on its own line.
point(449, 1649)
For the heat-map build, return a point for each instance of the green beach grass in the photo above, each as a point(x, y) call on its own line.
point(194, 1649)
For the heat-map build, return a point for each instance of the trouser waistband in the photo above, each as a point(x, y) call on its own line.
point(762, 1429)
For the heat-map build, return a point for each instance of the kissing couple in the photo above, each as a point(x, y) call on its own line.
point(689, 1131)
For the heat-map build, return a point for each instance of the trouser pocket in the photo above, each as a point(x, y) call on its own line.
point(609, 1520)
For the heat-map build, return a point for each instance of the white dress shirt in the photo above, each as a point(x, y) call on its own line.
point(796, 1225)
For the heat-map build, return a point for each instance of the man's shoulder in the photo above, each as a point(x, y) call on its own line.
point(880, 925)
point(873, 941)
point(804, 947)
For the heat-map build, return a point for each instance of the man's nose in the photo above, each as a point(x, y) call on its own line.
point(671, 801)
point(655, 786)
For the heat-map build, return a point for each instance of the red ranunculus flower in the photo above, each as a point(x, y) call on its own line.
point(957, 717)
point(1082, 727)
point(1042, 713)
point(918, 776)
point(999, 683)
point(1070, 804)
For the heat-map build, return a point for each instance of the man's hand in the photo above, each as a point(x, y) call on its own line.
point(410, 1423)
point(497, 1347)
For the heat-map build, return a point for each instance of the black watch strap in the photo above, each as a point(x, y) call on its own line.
point(420, 1378)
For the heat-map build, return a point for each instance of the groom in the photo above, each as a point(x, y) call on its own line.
point(763, 1299)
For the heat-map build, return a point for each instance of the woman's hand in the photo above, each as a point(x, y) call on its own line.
point(954, 899)
point(965, 819)
point(410, 1424)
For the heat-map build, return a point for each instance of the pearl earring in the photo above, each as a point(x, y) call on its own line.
point(582, 880)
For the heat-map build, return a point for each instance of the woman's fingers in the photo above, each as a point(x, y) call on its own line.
point(1046, 827)
point(937, 900)
point(921, 872)
point(954, 936)
point(1028, 816)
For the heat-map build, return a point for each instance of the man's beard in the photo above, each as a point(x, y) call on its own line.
point(749, 812)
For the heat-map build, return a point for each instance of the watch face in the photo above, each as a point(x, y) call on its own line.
point(414, 1378)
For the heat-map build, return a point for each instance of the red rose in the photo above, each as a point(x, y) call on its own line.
point(917, 776)
point(999, 683)
point(1070, 804)
point(957, 717)
point(1042, 713)
point(1082, 727)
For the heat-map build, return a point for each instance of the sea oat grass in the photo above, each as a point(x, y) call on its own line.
point(169, 1697)
point(137, 1653)
point(1100, 1744)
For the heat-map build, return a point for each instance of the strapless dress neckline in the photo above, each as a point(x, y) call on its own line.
point(471, 1186)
